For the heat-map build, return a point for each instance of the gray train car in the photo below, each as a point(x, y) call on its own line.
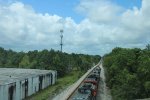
point(17, 84)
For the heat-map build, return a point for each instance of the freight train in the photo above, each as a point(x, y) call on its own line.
point(89, 87)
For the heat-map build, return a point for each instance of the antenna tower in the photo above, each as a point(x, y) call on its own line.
point(61, 36)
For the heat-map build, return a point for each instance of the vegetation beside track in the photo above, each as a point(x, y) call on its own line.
point(60, 85)
point(128, 73)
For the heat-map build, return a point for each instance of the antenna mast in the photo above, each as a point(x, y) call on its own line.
point(61, 36)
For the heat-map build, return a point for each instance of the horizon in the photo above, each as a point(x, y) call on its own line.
point(71, 52)
point(90, 27)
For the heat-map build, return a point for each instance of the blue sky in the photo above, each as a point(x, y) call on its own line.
point(64, 8)
point(128, 3)
point(90, 26)
point(67, 8)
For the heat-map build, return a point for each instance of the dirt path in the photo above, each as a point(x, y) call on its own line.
point(103, 92)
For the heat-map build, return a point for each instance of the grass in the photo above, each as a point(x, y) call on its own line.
point(60, 85)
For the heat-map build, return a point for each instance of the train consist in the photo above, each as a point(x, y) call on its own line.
point(89, 87)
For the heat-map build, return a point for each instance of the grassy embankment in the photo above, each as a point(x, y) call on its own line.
point(61, 84)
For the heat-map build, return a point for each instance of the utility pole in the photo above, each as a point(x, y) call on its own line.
point(61, 36)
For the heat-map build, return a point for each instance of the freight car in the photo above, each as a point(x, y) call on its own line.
point(89, 87)
point(84, 92)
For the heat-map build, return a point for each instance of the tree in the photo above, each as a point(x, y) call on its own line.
point(128, 73)
point(24, 62)
point(148, 47)
point(64, 63)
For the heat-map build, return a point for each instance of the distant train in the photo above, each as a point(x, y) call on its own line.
point(89, 88)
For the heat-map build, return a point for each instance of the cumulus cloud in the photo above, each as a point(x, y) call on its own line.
point(21, 25)
point(113, 25)
point(138, 19)
point(106, 26)
point(99, 10)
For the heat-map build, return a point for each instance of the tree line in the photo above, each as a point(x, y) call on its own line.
point(128, 73)
point(47, 59)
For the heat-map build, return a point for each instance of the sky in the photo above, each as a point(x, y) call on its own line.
point(90, 26)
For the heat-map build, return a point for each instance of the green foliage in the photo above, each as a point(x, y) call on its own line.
point(148, 47)
point(47, 59)
point(24, 62)
point(61, 84)
point(128, 73)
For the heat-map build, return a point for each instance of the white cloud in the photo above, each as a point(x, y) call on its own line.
point(21, 24)
point(106, 25)
point(99, 10)
point(116, 26)
point(137, 19)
